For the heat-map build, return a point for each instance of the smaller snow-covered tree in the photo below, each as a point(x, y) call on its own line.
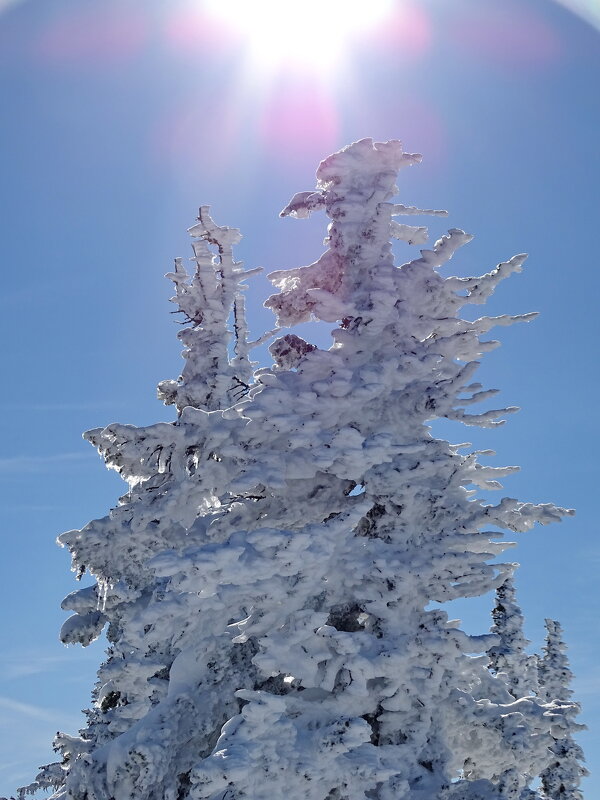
point(207, 299)
point(508, 659)
point(561, 779)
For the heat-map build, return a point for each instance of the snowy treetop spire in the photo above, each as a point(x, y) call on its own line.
point(562, 776)
point(365, 163)
point(353, 187)
point(555, 675)
point(208, 298)
point(508, 656)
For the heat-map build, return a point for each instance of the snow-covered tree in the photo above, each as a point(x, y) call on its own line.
point(561, 779)
point(508, 657)
point(211, 379)
point(272, 579)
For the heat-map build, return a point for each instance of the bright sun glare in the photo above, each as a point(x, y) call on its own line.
point(312, 34)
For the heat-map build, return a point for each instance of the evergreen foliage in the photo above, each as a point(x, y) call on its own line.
point(271, 581)
point(561, 778)
point(508, 658)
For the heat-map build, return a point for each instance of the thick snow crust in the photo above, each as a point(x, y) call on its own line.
point(265, 579)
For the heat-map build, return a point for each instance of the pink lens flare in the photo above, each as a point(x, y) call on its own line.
point(299, 118)
point(190, 32)
point(509, 36)
point(407, 33)
point(194, 138)
point(93, 37)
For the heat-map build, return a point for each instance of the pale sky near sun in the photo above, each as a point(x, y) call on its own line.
point(120, 119)
point(278, 33)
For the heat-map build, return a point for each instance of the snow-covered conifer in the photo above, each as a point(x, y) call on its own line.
point(508, 658)
point(561, 778)
point(210, 379)
point(268, 579)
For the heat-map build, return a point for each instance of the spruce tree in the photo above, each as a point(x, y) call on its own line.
point(271, 582)
point(508, 657)
point(561, 778)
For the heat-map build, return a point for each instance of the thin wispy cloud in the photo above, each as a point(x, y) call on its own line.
point(21, 667)
point(27, 710)
point(38, 463)
point(25, 663)
point(15, 773)
point(34, 725)
point(82, 406)
point(31, 509)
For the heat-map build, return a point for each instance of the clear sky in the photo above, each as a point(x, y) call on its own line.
point(120, 117)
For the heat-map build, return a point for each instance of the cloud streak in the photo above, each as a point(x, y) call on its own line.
point(40, 463)
point(83, 406)
point(15, 667)
point(27, 710)
point(11, 668)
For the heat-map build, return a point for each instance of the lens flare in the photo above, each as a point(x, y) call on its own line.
point(93, 37)
point(312, 34)
point(510, 37)
point(299, 118)
point(588, 9)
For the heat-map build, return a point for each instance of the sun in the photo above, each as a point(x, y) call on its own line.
point(310, 34)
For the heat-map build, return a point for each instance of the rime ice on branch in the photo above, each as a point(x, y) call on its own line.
point(273, 577)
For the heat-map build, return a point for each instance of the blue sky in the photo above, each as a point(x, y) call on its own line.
point(120, 118)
